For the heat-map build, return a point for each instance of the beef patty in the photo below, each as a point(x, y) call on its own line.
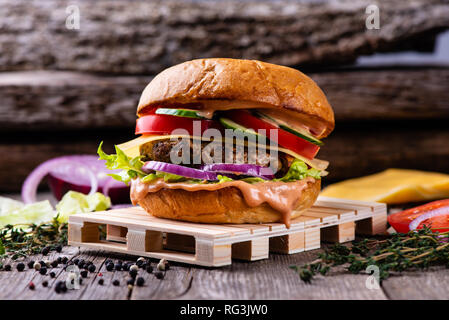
point(161, 150)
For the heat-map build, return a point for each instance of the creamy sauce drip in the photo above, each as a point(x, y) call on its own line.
point(282, 197)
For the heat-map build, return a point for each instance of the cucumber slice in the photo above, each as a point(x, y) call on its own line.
point(187, 113)
point(229, 124)
point(301, 134)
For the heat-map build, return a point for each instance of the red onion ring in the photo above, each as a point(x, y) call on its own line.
point(178, 170)
point(430, 214)
point(245, 169)
point(29, 187)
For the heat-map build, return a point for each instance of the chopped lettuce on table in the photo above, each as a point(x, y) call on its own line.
point(29, 228)
point(14, 212)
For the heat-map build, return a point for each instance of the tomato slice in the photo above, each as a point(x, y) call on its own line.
point(286, 139)
point(164, 124)
point(400, 221)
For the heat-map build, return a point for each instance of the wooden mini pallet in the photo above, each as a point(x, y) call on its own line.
point(133, 231)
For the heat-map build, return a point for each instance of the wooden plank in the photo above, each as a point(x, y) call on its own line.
point(375, 225)
point(161, 225)
point(209, 254)
point(428, 285)
point(139, 214)
point(256, 249)
point(340, 233)
point(273, 279)
point(254, 30)
point(308, 221)
point(312, 239)
point(324, 217)
point(288, 244)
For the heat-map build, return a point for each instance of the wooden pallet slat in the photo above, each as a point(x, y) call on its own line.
point(133, 231)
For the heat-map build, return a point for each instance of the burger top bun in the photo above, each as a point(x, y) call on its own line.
point(214, 83)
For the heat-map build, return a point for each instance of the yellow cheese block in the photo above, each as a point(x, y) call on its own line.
point(393, 186)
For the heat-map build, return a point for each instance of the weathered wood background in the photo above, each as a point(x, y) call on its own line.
point(62, 91)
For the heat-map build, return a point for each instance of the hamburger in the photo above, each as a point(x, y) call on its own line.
point(226, 141)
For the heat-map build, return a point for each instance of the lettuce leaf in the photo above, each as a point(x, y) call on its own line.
point(17, 213)
point(168, 177)
point(131, 168)
point(75, 202)
point(298, 170)
point(37, 212)
point(222, 179)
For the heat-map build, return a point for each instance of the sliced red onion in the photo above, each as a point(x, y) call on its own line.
point(245, 169)
point(178, 170)
point(29, 187)
point(430, 214)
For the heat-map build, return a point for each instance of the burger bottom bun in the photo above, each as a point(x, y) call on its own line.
point(225, 205)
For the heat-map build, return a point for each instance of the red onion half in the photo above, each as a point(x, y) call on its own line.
point(82, 173)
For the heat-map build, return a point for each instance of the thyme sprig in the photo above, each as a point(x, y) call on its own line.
point(23, 240)
point(414, 250)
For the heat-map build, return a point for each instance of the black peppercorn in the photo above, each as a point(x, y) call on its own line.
point(81, 264)
point(7, 267)
point(149, 268)
point(54, 264)
point(133, 273)
point(140, 281)
point(118, 267)
point(125, 267)
point(116, 283)
point(83, 274)
point(91, 268)
point(159, 275)
point(59, 260)
point(64, 260)
point(45, 251)
point(108, 261)
point(31, 264)
point(52, 274)
point(58, 248)
point(43, 270)
point(60, 287)
point(100, 282)
point(45, 283)
point(110, 266)
point(20, 266)
point(139, 263)
point(76, 261)
point(42, 263)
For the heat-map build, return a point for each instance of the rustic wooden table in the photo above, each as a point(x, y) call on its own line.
point(265, 279)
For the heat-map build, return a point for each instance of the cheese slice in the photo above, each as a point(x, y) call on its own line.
point(392, 186)
point(132, 149)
